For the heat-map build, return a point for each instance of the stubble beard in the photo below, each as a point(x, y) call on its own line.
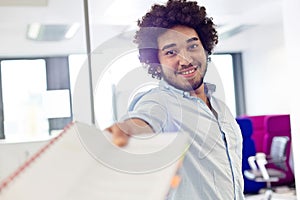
point(186, 87)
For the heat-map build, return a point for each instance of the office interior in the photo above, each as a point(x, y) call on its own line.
point(62, 60)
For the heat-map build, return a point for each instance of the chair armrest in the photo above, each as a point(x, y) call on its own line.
point(251, 161)
point(261, 163)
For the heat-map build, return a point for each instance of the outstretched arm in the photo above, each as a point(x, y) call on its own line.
point(121, 131)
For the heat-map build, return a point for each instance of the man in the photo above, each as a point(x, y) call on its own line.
point(174, 42)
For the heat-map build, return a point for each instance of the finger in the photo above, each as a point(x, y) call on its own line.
point(120, 138)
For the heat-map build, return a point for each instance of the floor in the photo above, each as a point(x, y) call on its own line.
point(280, 193)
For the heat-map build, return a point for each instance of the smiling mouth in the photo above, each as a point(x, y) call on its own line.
point(187, 71)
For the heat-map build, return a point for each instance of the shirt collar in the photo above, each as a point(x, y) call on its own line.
point(209, 89)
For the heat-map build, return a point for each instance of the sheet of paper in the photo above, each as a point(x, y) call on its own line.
point(82, 163)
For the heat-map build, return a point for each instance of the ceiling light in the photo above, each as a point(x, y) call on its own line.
point(72, 30)
point(51, 32)
point(33, 30)
point(228, 31)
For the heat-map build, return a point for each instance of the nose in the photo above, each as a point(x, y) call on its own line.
point(184, 58)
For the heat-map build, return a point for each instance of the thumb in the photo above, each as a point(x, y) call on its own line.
point(119, 137)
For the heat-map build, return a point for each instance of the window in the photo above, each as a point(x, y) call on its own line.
point(118, 84)
point(36, 93)
point(35, 98)
point(23, 87)
point(224, 67)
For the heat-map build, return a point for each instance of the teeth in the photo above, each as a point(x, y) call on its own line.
point(188, 72)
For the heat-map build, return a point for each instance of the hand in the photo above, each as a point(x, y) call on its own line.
point(121, 131)
point(119, 135)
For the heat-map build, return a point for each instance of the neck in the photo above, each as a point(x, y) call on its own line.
point(200, 93)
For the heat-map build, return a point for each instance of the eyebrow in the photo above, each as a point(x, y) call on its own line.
point(168, 46)
point(173, 44)
point(192, 39)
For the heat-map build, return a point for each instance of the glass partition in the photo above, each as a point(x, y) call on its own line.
point(36, 39)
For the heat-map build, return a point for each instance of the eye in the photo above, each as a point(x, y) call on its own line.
point(193, 46)
point(171, 52)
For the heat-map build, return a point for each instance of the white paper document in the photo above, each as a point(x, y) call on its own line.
point(83, 164)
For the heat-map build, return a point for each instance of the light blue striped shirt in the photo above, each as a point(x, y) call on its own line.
point(212, 165)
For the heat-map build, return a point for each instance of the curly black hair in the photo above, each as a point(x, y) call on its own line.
point(162, 17)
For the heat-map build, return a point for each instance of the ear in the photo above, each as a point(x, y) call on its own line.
point(158, 72)
point(159, 69)
point(208, 59)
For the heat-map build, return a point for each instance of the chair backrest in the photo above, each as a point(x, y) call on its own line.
point(258, 130)
point(278, 151)
point(279, 126)
point(245, 124)
point(276, 125)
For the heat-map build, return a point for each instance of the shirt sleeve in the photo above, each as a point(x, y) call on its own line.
point(150, 108)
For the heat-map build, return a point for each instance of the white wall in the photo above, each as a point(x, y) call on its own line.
point(271, 72)
point(265, 72)
point(292, 32)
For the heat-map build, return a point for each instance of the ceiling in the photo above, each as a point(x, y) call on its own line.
point(109, 18)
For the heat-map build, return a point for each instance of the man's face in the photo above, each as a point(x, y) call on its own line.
point(182, 57)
